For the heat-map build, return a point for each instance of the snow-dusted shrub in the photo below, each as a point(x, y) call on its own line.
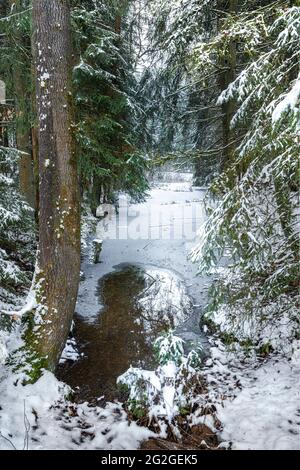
point(169, 348)
point(163, 394)
point(16, 228)
point(257, 209)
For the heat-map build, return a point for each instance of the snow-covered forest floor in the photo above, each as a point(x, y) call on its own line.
point(257, 400)
point(250, 402)
point(257, 405)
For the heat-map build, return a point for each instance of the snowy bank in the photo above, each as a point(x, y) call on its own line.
point(40, 417)
point(265, 415)
point(257, 400)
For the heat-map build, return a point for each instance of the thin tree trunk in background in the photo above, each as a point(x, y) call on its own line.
point(59, 207)
point(118, 24)
point(228, 76)
point(96, 184)
point(4, 6)
point(26, 179)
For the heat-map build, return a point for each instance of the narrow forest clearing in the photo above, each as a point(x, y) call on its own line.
point(142, 285)
point(113, 333)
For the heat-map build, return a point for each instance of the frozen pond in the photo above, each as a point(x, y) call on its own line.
point(143, 285)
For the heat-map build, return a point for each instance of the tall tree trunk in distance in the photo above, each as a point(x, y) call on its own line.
point(97, 183)
point(59, 198)
point(23, 143)
point(22, 103)
point(228, 76)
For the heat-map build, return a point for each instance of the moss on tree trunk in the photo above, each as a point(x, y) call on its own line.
point(59, 205)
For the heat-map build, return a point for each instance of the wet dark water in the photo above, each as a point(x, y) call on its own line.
point(122, 334)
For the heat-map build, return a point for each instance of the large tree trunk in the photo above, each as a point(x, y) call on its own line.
point(59, 207)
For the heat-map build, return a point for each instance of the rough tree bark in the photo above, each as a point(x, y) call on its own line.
point(59, 206)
